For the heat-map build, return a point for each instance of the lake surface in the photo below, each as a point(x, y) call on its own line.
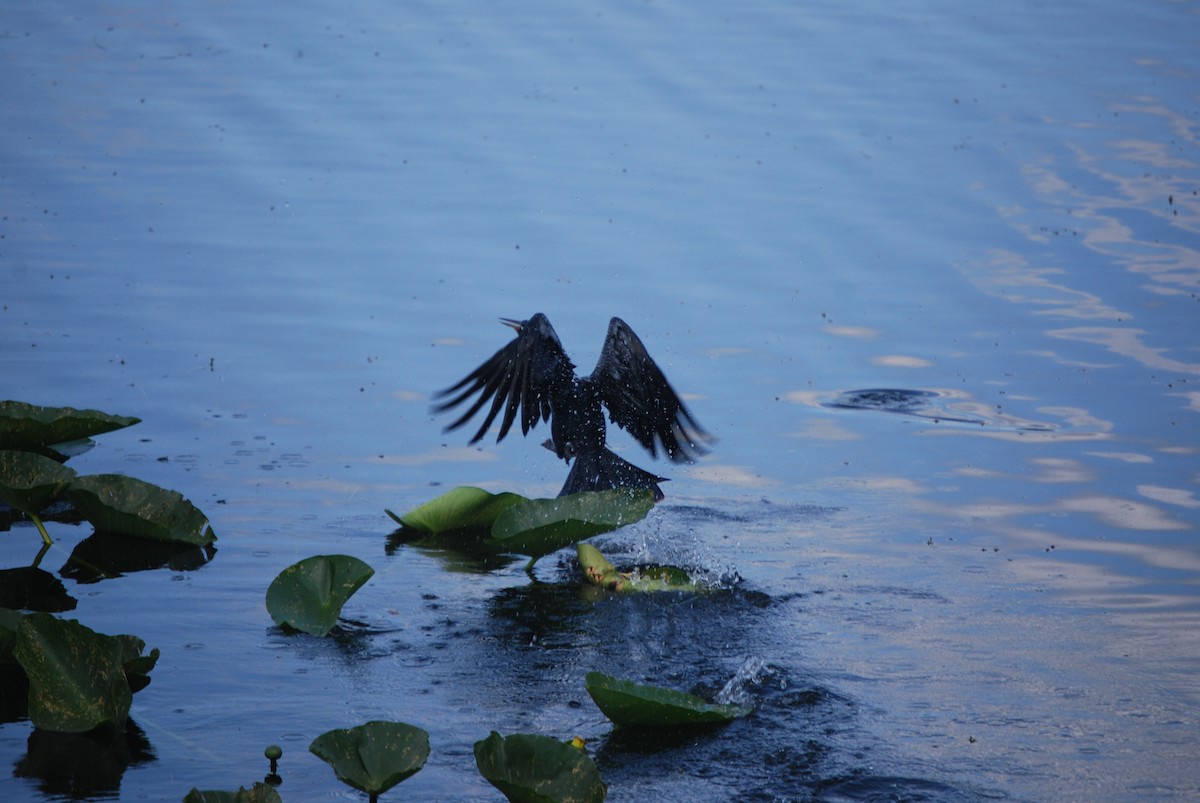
point(930, 273)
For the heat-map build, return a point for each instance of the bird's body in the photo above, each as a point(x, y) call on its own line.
point(532, 377)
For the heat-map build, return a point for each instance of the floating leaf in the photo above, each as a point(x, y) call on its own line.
point(259, 793)
point(529, 768)
point(30, 482)
point(116, 503)
point(461, 508)
point(136, 666)
point(538, 527)
point(375, 756)
point(76, 675)
point(629, 704)
point(27, 426)
point(309, 595)
point(598, 571)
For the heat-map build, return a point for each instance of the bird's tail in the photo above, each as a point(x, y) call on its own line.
point(599, 471)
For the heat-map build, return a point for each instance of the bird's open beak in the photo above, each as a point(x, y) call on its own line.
point(510, 322)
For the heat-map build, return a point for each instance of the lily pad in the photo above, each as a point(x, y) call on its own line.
point(633, 705)
point(30, 482)
point(375, 756)
point(136, 665)
point(116, 503)
point(538, 527)
point(259, 793)
point(598, 571)
point(462, 508)
point(529, 768)
point(308, 596)
point(76, 675)
point(28, 426)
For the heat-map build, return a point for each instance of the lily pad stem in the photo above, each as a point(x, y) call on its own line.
point(42, 529)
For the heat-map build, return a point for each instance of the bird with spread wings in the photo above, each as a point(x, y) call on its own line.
point(531, 379)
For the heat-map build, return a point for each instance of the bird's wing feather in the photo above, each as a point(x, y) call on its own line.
point(641, 401)
point(516, 379)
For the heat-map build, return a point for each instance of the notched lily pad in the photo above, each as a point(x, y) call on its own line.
point(529, 768)
point(76, 675)
point(28, 426)
point(462, 508)
point(375, 756)
point(538, 527)
point(598, 571)
point(308, 596)
point(634, 705)
point(116, 503)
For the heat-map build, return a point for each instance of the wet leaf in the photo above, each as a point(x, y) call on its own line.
point(598, 571)
point(629, 704)
point(259, 793)
point(308, 596)
point(120, 504)
point(461, 508)
point(375, 756)
point(537, 527)
point(529, 768)
point(27, 426)
point(30, 482)
point(76, 675)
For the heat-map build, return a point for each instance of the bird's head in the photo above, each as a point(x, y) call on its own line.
point(538, 325)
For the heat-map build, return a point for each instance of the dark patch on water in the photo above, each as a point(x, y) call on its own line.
point(931, 405)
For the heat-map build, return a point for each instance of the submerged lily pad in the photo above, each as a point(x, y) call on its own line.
point(529, 768)
point(630, 704)
point(30, 482)
point(116, 503)
point(598, 571)
point(28, 426)
point(76, 675)
point(538, 527)
point(375, 756)
point(462, 508)
point(308, 596)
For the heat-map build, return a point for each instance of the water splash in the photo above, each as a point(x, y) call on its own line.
point(737, 690)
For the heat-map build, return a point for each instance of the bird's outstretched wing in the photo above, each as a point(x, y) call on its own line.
point(641, 401)
point(518, 377)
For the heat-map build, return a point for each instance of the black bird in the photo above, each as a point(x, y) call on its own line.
point(532, 377)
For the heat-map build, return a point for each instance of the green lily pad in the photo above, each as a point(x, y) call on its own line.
point(308, 596)
point(538, 527)
point(462, 508)
point(598, 571)
point(630, 704)
point(375, 756)
point(116, 503)
point(28, 426)
point(30, 482)
point(259, 793)
point(76, 675)
point(529, 768)
point(135, 665)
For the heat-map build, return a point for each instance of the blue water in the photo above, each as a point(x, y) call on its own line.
point(272, 231)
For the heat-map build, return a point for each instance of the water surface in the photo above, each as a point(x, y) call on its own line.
point(930, 274)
